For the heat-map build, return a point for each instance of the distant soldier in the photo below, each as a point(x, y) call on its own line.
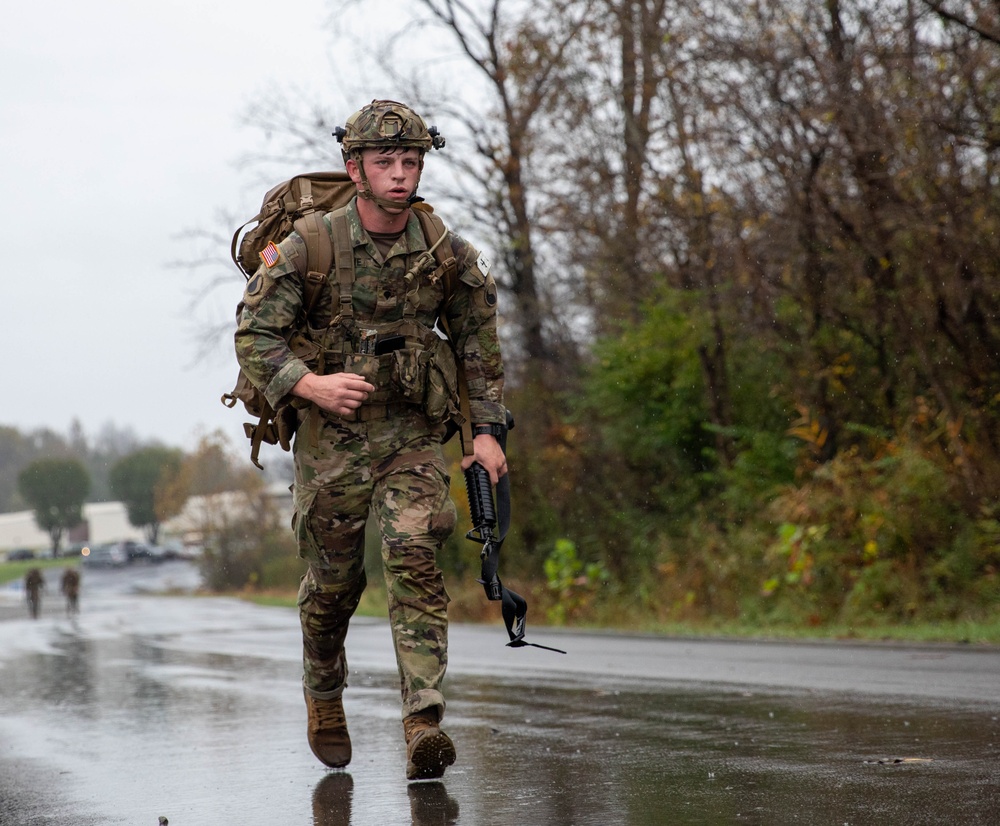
point(71, 589)
point(34, 584)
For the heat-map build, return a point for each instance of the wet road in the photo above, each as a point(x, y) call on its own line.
point(190, 708)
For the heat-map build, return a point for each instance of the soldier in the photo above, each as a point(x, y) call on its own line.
point(70, 586)
point(34, 584)
point(374, 403)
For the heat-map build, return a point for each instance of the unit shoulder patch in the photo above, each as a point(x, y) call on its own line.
point(484, 263)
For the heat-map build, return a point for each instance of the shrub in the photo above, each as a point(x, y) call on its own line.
point(865, 536)
point(571, 581)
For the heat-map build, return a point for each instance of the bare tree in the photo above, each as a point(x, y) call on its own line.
point(982, 18)
point(522, 54)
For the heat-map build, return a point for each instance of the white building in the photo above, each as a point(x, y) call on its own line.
point(105, 522)
point(202, 511)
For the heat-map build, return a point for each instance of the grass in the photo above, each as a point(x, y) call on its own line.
point(11, 571)
point(469, 605)
point(372, 601)
point(985, 632)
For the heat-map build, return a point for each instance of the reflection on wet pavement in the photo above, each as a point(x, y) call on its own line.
point(332, 800)
point(430, 803)
point(191, 709)
point(719, 757)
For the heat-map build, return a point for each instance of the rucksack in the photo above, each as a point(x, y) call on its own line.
point(299, 204)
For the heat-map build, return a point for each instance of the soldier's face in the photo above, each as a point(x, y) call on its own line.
point(393, 174)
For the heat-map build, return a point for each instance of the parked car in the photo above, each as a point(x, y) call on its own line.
point(105, 556)
point(138, 552)
point(20, 554)
point(171, 549)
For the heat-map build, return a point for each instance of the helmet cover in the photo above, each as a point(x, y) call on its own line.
point(387, 124)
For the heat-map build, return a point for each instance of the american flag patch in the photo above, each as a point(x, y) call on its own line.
point(270, 254)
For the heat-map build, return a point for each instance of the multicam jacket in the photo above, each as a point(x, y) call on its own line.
point(273, 306)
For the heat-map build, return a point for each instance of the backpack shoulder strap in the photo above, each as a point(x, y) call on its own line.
point(319, 255)
point(343, 261)
point(319, 248)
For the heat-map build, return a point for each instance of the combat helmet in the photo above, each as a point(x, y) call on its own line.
point(385, 124)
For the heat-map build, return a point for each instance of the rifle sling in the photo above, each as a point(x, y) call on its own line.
point(513, 607)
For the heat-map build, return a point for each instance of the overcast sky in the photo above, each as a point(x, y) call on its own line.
point(120, 130)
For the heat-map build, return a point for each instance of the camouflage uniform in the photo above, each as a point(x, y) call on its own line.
point(70, 586)
point(388, 460)
point(34, 584)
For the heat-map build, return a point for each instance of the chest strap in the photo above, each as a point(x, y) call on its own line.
point(435, 233)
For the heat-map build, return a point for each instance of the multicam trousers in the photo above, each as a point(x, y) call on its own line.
point(394, 468)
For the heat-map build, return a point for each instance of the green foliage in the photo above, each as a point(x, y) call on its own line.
point(648, 457)
point(15, 571)
point(632, 454)
point(240, 558)
point(138, 479)
point(56, 490)
point(877, 536)
point(645, 394)
point(801, 421)
point(765, 462)
point(19, 449)
point(572, 582)
point(281, 569)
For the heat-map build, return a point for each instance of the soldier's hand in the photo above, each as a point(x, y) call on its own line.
point(487, 451)
point(339, 393)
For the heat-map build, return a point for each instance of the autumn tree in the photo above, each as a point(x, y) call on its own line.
point(870, 213)
point(229, 509)
point(140, 479)
point(751, 255)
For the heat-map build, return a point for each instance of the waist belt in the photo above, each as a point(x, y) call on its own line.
point(371, 412)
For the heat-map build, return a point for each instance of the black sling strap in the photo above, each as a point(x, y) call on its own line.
point(487, 516)
point(513, 606)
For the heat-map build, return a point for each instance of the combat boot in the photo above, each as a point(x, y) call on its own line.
point(327, 731)
point(429, 751)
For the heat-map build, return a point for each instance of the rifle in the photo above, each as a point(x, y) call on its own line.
point(490, 522)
